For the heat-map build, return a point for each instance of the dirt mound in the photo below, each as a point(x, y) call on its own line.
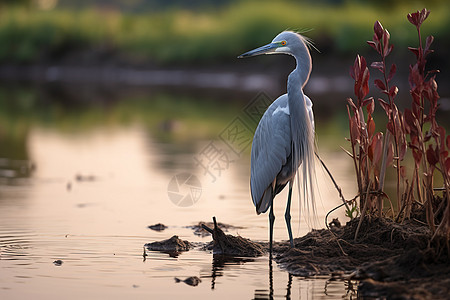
point(157, 227)
point(391, 260)
point(414, 274)
point(227, 244)
point(173, 244)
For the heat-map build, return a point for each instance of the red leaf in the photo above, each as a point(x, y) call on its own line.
point(350, 102)
point(380, 84)
point(363, 63)
point(418, 18)
point(390, 127)
point(378, 65)
point(365, 83)
point(414, 144)
point(353, 126)
point(424, 15)
point(370, 105)
point(385, 106)
point(367, 101)
point(376, 43)
point(377, 147)
point(415, 77)
point(389, 50)
point(393, 91)
point(431, 156)
point(360, 74)
point(352, 72)
point(417, 156)
point(378, 30)
point(392, 72)
point(409, 117)
point(428, 43)
point(412, 18)
point(386, 37)
point(448, 141)
point(415, 51)
point(372, 44)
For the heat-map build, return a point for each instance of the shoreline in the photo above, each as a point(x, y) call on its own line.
point(201, 79)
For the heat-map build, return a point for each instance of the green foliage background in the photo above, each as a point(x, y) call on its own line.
point(178, 33)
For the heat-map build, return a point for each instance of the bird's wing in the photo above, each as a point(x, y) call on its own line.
point(309, 109)
point(270, 148)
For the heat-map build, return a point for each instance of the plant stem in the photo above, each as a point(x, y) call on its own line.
point(383, 170)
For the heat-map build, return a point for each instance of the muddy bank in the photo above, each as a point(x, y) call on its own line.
point(390, 260)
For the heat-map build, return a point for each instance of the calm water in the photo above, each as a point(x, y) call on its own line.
point(81, 182)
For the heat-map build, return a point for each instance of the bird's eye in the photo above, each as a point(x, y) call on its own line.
point(283, 43)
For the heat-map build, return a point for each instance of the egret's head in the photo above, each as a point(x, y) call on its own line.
point(285, 42)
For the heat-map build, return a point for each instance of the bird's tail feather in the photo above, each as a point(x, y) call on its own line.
point(266, 200)
point(306, 175)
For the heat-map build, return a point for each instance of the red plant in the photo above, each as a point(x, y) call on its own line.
point(429, 149)
point(380, 43)
point(366, 143)
point(433, 144)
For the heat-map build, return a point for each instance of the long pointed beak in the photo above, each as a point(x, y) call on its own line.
point(266, 49)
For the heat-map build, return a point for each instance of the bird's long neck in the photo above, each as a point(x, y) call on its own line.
point(301, 126)
point(298, 79)
point(303, 66)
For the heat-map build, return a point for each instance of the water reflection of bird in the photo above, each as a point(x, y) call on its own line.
point(284, 138)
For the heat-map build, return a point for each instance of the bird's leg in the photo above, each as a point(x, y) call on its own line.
point(271, 222)
point(287, 215)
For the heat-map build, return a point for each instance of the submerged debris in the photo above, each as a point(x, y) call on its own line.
point(144, 255)
point(192, 281)
point(58, 262)
point(226, 244)
point(81, 177)
point(158, 227)
point(172, 244)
